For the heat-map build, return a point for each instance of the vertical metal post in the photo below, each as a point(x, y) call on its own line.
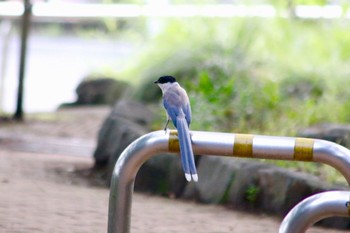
point(26, 18)
point(123, 178)
point(212, 143)
point(315, 208)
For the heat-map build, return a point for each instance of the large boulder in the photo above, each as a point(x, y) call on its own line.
point(238, 183)
point(93, 91)
point(247, 184)
point(255, 186)
point(332, 132)
point(161, 175)
point(127, 121)
point(280, 190)
point(215, 177)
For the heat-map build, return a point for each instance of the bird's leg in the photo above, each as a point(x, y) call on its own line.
point(166, 125)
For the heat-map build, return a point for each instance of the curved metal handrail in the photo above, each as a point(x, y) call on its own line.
point(212, 143)
point(315, 208)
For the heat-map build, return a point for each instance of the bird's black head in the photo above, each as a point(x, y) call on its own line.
point(166, 79)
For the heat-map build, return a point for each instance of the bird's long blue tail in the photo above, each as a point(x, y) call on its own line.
point(187, 157)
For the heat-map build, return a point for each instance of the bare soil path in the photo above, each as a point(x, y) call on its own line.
point(41, 190)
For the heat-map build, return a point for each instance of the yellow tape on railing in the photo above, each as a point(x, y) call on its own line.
point(243, 145)
point(174, 145)
point(303, 149)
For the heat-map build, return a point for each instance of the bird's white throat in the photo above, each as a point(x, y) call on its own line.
point(165, 86)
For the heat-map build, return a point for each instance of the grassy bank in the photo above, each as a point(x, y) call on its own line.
point(265, 76)
point(269, 76)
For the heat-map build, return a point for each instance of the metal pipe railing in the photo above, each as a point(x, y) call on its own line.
point(212, 143)
point(315, 208)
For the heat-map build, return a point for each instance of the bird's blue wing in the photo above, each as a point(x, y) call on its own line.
point(171, 107)
point(188, 114)
point(176, 103)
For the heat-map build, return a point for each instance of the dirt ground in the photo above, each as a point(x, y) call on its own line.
point(42, 189)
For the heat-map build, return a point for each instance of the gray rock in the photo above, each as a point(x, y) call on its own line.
point(161, 174)
point(239, 183)
point(215, 177)
point(92, 91)
point(245, 191)
point(136, 112)
point(335, 222)
point(120, 128)
point(332, 132)
point(128, 121)
point(281, 189)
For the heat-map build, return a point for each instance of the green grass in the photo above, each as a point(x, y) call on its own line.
point(263, 76)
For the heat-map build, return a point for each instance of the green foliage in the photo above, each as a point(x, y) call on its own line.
point(266, 76)
point(260, 76)
point(310, 2)
point(252, 193)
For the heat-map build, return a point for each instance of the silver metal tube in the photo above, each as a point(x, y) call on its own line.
point(212, 143)
point(334, 155)
point(123, 177)
point(315, 208)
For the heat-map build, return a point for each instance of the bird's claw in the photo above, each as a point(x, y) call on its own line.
point(166, 130)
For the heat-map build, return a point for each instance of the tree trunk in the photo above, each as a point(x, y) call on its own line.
point(24, 39)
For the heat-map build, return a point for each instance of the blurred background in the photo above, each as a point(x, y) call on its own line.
point(259, 66)
point(248, 62)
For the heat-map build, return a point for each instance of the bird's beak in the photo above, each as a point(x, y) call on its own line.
point(156, 82)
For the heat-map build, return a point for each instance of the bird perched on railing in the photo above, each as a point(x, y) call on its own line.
point(177, 106)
